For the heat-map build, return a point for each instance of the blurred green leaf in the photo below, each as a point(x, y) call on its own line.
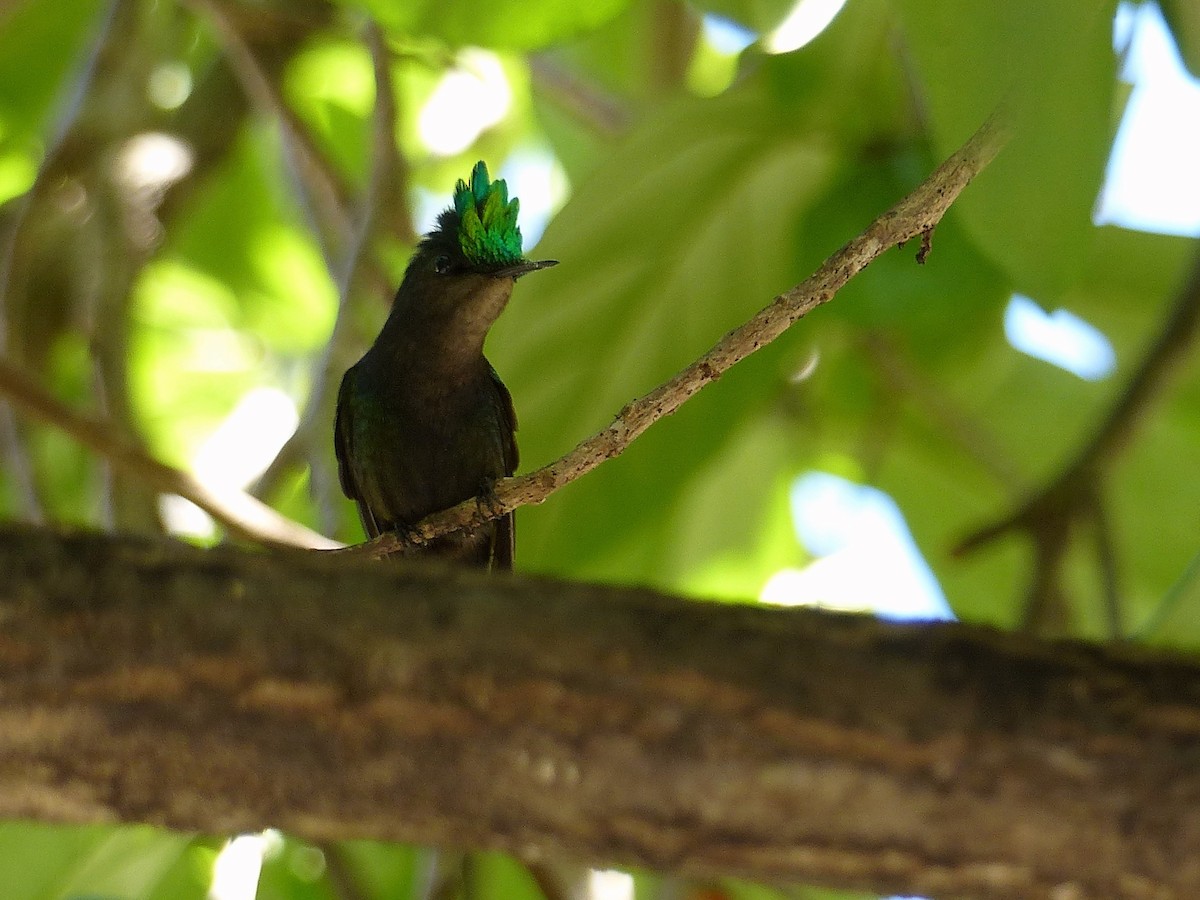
point(501, 23)
point(1183, 18)
point(235, 298)
point(41, 44)
point(331, 85)
point(495, 876)
point(1052, 65)
point(39, 861)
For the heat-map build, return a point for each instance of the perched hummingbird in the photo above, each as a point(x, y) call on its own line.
point(423, 420)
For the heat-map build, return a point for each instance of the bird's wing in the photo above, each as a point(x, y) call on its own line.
point(343, 448)
point(508, 423)
point(504, 544)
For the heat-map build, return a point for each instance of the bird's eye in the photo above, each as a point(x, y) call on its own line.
point(441, 265)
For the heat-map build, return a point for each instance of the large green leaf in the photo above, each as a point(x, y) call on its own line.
point(41, 44)
point(1053, 66)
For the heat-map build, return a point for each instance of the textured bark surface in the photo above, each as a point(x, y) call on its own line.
point(336, 698)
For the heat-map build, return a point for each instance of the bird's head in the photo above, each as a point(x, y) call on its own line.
point(466, 267)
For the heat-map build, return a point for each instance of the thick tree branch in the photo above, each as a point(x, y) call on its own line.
point(913, 217)
point(222, 690)
point(241, 514)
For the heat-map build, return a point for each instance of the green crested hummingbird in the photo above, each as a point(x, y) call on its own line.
point(423, 420)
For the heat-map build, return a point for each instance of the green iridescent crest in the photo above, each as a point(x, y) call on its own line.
point(487, 220)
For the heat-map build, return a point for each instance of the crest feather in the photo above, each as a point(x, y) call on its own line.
point(487, 229)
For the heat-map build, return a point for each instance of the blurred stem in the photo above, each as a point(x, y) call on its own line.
point(339, 874)
point(1110, 579)
point(240, 513)
point(912, 217)
point(671, 44)
point(117, 240)
point(20, 467)
point(14, 447)
point(547, 881)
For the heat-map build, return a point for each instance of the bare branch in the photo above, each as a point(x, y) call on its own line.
point(240, 513)
point(916, 215)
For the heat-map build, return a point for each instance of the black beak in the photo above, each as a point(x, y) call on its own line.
point(524, 268)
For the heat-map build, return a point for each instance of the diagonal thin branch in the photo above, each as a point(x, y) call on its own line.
point(237, 511)
point(914, 216)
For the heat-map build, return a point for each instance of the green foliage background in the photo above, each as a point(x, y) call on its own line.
point(702, 184)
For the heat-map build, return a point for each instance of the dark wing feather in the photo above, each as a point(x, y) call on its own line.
point(505, 539)
point(508, 422)
point(343, 448)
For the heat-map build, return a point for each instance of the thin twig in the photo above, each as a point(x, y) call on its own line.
point(915, 215)
point(237, 511)
point(1072, 496)
point(1188, 578)
point(1169, 347)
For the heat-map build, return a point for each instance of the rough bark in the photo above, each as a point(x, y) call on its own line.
point(336, 698)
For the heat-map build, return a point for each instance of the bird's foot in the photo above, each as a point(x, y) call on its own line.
point(399, 540)
point(487, 501)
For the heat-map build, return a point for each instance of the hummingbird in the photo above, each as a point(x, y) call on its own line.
point(423, 421)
